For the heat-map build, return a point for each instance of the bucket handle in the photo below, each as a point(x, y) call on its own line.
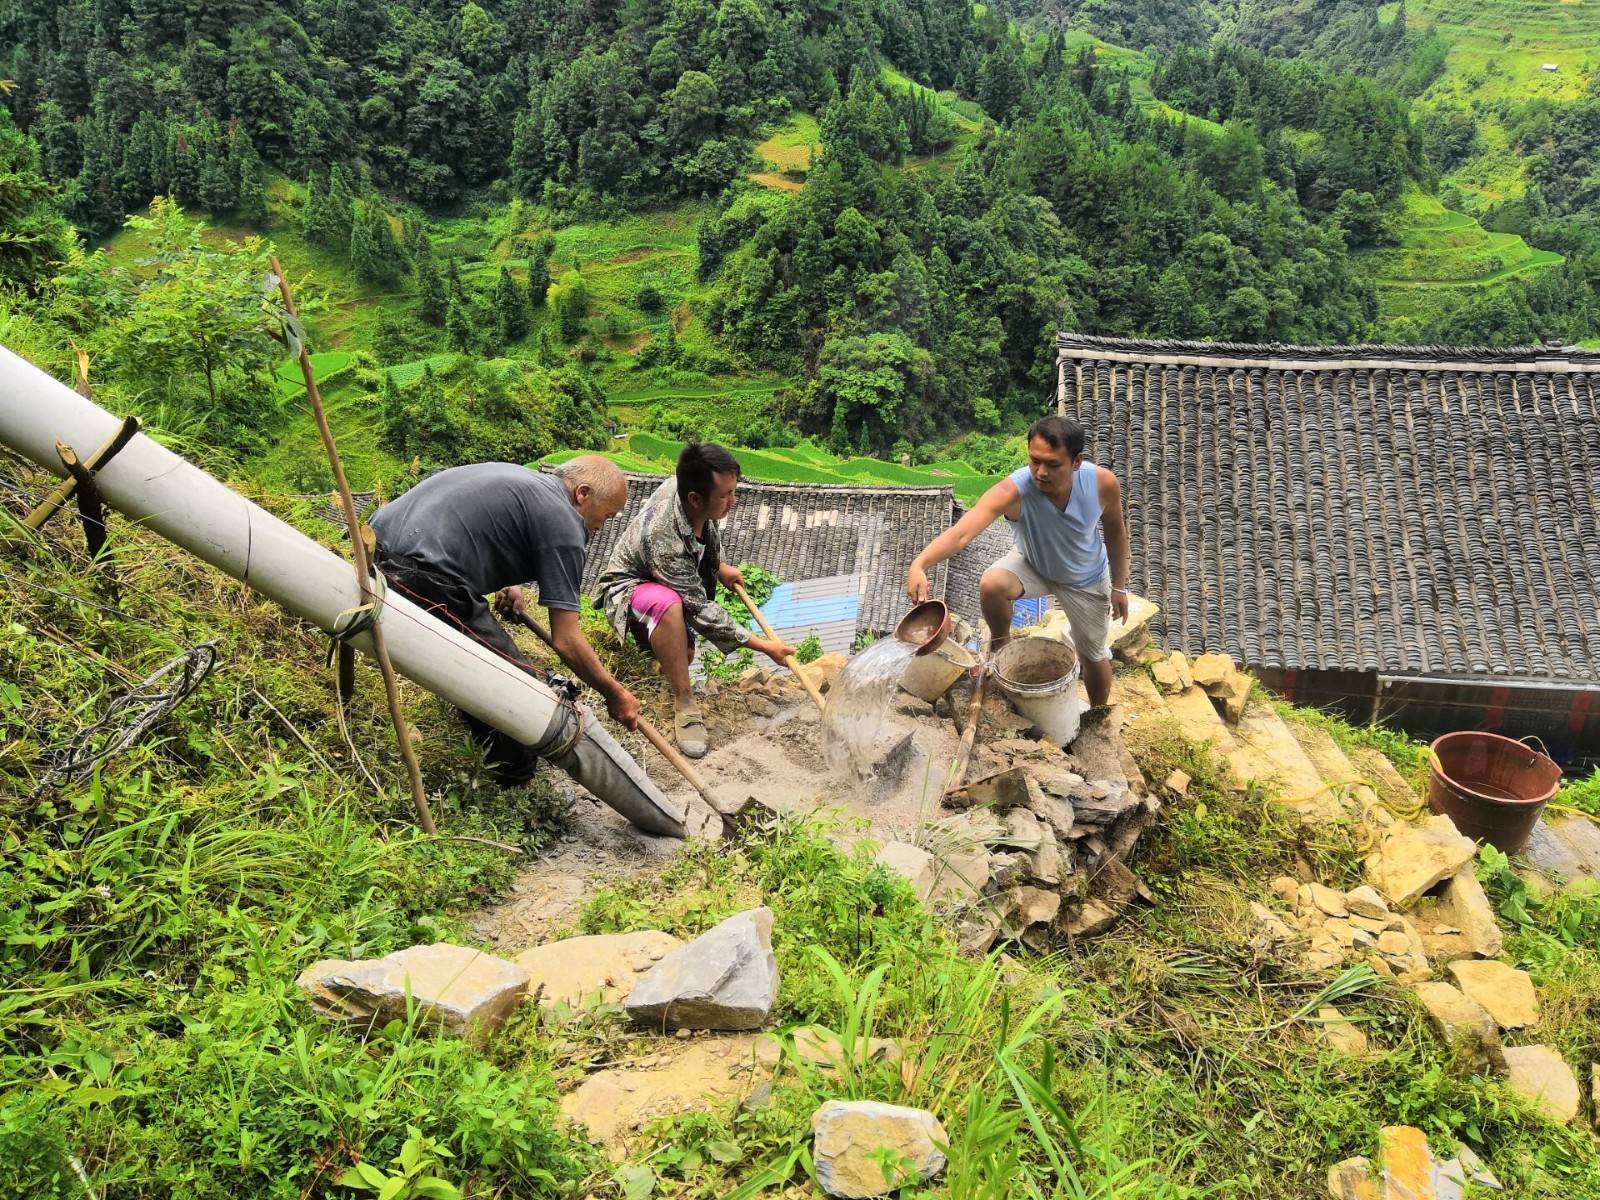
point(1534, 737)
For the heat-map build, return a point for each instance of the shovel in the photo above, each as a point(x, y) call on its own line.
point(657, 739)
point(791, 662)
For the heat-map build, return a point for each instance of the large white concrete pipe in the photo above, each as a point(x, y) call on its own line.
point(163, 492)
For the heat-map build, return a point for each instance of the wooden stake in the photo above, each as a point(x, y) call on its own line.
point(969, 736)
point(358, 551)
point(790, 662)
point(65, 489)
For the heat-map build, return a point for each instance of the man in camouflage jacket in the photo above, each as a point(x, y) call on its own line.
point(660, 584)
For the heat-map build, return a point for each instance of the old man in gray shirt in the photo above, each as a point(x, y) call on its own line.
point(465, 533)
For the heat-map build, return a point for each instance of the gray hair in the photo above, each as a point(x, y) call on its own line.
point(602, 476)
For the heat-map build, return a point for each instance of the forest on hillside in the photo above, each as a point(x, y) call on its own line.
point(981, 175)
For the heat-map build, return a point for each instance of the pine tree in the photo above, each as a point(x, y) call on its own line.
point(392, 406)
point(374, 257)
point(546, 349)
point(364, 259)
point(388, 250)
point(432, 303)
point(538, 276)
point(338, 220)
point(216, 189)
point(511, 308)
point(452, 275)
point(457, 328)
point(253, 209)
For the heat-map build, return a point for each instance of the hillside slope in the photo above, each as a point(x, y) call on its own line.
point(157, 912)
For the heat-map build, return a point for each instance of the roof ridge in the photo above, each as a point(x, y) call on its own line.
point(1270, 354)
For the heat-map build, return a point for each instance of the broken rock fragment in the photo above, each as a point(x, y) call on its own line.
point(1505, 992)
point(727, 978)
point(1410, 859)
point(863, 1148)
point(575, 970)
point(1540, 1075)
point(1025, 906)
point(1468, 908)
point(454, 987)
point(911, 863)
point(1462, 1024)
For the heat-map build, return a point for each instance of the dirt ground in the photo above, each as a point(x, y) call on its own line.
point(778, 758)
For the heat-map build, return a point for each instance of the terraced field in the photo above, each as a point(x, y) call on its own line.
point(1442, 255)
point(1499, 48)
point(1498, 51)
point(804, 463)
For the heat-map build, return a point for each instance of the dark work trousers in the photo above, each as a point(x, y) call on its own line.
point(453, 602)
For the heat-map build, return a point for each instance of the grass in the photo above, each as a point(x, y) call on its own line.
point(1169, 1059)
point(152, 1040)
point(792, 147)
point(1497, 52)
point(1138, 69)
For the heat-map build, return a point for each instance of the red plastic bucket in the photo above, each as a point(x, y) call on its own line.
point(1492, 787)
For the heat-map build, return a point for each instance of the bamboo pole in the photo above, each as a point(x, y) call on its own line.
point(791, 662)
point(358, 551)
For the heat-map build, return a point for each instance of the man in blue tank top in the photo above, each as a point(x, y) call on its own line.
point(1071, 542)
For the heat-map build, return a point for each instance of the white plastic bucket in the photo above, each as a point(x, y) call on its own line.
point(929, 676)
point(1040, 677)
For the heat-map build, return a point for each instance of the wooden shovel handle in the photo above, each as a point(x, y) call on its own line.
point(656, 737)
point(791, 662)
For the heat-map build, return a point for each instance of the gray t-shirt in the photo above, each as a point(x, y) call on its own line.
point(492, 525)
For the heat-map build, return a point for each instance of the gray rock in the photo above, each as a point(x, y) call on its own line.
point(454, 987)
point(727, 978)
point(1046, 857)
point(853, 1140)
point(1054, 811)
point(1007, 869)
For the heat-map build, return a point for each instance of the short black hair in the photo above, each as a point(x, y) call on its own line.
point(698, 463)
point(1061, 433)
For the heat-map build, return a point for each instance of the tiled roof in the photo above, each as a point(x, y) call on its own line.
point(1409, 510)
point(813, 531)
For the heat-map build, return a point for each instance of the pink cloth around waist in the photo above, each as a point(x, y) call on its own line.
point(650, 602)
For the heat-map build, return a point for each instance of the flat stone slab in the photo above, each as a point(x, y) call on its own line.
point(1541, 1075)
point(1506, 993)
point(1410, 859)
point(601, 969)
point(727, 978)
point(613, 1104)
point(912, 863)
point(1267, 751)
point(1461, 1021)
point(863, 1148)
point(1465, 905)
point(455, 988)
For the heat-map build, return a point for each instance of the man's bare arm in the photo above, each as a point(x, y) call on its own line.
point(1002, 500)
point(1114, 525)
point(573, 647)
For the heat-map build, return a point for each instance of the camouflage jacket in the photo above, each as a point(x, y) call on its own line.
point(659, 545)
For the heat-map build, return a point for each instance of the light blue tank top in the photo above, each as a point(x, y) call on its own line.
point(1063, 545)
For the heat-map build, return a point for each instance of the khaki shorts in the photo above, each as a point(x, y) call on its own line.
point(1088, 609)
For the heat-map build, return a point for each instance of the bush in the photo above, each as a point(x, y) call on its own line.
point(649, 298)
